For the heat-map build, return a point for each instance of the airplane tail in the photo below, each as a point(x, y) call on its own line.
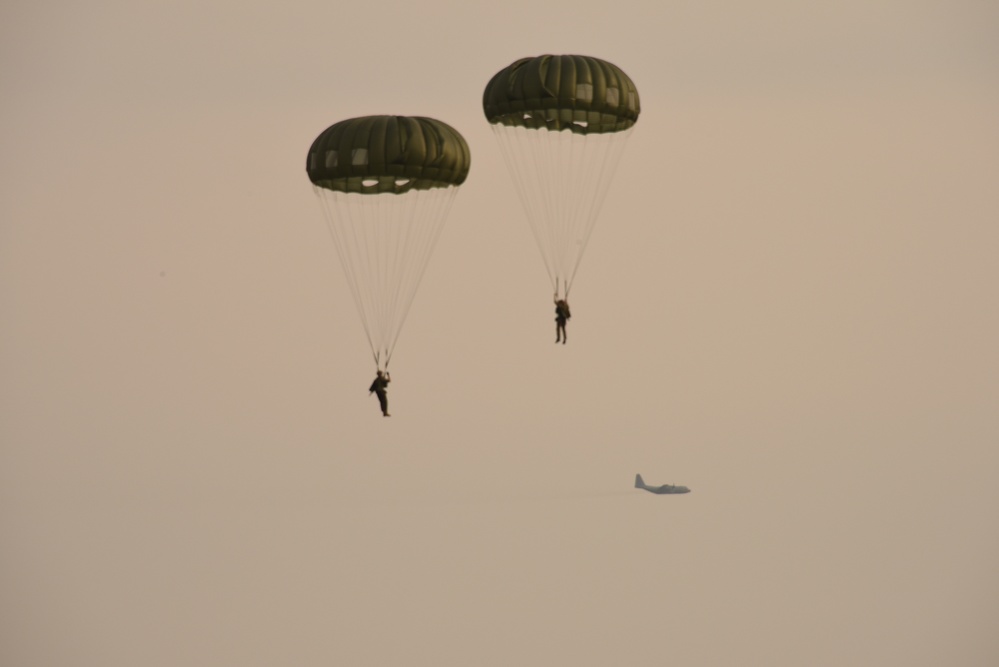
point(639, 482)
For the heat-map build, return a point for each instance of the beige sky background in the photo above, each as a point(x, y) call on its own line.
point(789, 304)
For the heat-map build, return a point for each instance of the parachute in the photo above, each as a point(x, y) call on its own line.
point(562, 123)
point(386, 184)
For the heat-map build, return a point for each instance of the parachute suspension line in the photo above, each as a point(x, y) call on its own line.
point(562, 178)
point(384, 243)
point(552, 184)
point(574, 159)
point(372, 235)
point(589, 185)
point(427, 225)
point(558, 193)
point(347, 260)
point(361, 231)
point(525, 180)
point(409, 240)
point(610, 148)
point(579, 162)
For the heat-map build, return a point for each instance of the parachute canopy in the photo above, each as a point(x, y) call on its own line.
point(562, 123)
point(377, 154)
point(579, 93)
point(386, 184)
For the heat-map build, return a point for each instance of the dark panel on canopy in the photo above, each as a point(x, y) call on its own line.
point(376, 154)
point(579, 93)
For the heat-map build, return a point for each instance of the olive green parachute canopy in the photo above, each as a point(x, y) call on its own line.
point(393, 154)
point(579, 93)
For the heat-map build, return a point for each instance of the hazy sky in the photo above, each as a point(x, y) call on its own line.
point(790, 304)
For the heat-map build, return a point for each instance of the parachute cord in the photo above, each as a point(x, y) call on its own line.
point(384, 243)
point(368, 231)
point(562, 178)
point(607, 167)
point(432, 217)
point(514, 142)
point(332, 223)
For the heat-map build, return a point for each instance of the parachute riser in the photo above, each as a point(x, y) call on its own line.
point(564, 285)
point(378, 357)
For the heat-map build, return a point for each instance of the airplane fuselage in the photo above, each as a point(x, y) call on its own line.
point(664, 489)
